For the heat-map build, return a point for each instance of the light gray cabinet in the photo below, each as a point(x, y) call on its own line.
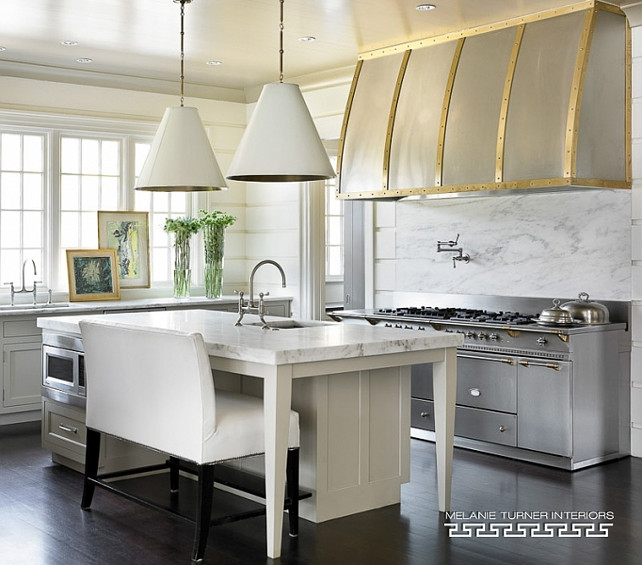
point(20, 344)
point(545, 425)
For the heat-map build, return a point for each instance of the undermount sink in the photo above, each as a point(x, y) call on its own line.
point(289, 324)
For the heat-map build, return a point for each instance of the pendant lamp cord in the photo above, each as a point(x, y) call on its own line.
point(182, 51)
point(281, 44)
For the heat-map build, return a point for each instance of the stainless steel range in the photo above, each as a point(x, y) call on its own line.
point(552, 395)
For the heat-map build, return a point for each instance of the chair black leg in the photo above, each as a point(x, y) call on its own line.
point(173, 474)
point(92, 453)
point(292, 477)
point(203, 511)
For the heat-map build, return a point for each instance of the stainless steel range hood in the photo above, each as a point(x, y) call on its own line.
point(537, 103)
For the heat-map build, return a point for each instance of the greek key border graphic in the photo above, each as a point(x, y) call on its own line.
point(528, 529)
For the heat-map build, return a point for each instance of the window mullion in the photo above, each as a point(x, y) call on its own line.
point(52, 210)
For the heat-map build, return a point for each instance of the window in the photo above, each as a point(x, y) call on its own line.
point(56, 176)
point(333, 230)
point(22, 202)
point(160, 205)
point(90, 179)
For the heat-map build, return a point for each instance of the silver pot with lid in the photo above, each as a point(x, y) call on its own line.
point(586, 311)
point(555, 316)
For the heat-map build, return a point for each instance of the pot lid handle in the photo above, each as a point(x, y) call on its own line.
point(583, 296)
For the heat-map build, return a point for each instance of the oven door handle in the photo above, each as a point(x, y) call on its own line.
point(554, 366)
point(506, 360)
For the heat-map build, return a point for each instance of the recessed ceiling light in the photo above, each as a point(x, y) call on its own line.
point(425, 7)
point(307, 38)
point(69, 43)
point(214, 63)
point(84, 60)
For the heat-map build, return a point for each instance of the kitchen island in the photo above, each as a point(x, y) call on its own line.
point(351, 386)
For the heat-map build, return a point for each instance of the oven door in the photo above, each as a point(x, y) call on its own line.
point(62, 369)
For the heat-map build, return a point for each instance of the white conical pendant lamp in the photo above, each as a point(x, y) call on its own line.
point(181, 157)
point(281, 142)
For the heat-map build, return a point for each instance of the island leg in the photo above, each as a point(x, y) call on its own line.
point(445, 391)
point(277, 397)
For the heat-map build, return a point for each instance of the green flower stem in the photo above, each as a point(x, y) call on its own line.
point(182, 228)
point(214, 243)
point(213, 225)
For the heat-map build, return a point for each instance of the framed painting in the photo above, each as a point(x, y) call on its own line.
point(93, 274)
point(128, 233)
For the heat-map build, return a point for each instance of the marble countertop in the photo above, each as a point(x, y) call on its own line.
point(130, 304)
point(314, 341)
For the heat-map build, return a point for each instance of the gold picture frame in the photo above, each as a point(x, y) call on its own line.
point(93, 274)
point(128, 233)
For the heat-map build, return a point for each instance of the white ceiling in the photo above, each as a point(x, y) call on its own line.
point(136, 43)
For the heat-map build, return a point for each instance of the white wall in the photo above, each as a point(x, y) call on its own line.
point(636, 257)
point(274, 212)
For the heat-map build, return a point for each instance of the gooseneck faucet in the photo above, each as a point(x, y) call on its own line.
point(35, 272)
point(33, 290)
point(250, 306)
point(256, 268)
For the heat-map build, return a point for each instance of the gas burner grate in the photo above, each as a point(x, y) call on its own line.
point(459, 314)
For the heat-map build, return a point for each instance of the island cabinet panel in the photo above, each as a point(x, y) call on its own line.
point(355, 440)
point(343, 399)
point(385, 411)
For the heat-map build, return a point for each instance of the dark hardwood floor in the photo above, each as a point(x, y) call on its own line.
point(41, 521)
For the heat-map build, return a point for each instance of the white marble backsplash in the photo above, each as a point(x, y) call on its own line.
point(539, 245)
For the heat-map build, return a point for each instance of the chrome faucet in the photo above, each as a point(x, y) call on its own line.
point(250, 306)
point(23, 289)
point(35, 272)
point(450, 246)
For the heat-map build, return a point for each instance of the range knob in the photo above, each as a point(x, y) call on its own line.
point(408, 327)
point(399, 326)
point(421, 328)
point(481, 335)
point(542, 340)
point(388, 325)
point(494, 337)
point(470, 334)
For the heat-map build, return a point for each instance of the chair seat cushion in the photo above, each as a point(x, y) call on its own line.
point(238, 418)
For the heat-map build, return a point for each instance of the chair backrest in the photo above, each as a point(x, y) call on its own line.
point(150, 386)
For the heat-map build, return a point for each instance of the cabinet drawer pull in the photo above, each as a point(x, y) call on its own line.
point(474, 392)
point(554, 366)
point(506, 360)
point(502, 429)
point(66, 428)
point(425, 414)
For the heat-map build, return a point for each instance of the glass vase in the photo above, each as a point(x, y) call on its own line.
point(182, 269)
point(213, 241)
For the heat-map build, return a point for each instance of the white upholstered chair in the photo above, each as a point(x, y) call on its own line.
point(154, 387)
